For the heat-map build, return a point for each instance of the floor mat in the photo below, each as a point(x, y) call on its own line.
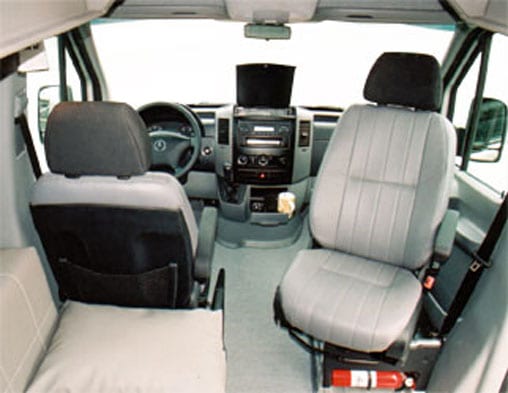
point(260, 356)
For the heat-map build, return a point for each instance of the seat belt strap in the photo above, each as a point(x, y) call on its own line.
point(29, 143)
point(481, 261)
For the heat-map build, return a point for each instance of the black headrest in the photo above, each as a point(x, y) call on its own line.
point(97, 138)
point(407, 79)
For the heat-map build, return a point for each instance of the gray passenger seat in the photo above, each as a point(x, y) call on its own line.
point(92, 348)
point(379, 198)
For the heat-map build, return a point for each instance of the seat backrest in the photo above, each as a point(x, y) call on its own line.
point(113, 232)
point(27, 317)
point(384, 183)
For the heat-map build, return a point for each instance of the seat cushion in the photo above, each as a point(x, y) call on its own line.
point(27, 316)
point(115, 349)
point(348, 301)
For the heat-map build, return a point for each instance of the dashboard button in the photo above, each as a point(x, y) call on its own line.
point(242, 159)
point(262, 160)
point(206, 151)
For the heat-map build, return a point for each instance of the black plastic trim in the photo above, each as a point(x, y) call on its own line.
point(9, 65)
point(450, 10)
point(67, 43)
point(78, 35)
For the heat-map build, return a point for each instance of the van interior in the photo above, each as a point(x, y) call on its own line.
point(263, 196)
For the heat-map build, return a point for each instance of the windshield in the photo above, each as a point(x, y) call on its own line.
point(194, 61)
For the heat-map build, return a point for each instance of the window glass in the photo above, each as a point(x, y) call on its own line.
point(463, 100)
point(465, 95)
point(494, 174)
point(193, 61)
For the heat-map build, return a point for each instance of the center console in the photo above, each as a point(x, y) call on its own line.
point(263, 145)
point(263, 155)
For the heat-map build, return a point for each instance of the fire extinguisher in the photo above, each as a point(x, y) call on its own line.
point(372, 379)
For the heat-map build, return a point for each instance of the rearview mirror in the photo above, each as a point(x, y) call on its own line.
point(491, 131)
point(267, 32)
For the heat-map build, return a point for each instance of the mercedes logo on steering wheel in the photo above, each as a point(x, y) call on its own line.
point(159, 145)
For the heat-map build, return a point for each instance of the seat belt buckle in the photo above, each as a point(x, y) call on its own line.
point(475, 266)
point(429, 282)
point(479, 262)
point(430, 276)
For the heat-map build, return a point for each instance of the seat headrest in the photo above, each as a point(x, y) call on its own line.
point(97, 138)
point(407, 79)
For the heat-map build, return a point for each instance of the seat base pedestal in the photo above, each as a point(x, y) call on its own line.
point(421, 358)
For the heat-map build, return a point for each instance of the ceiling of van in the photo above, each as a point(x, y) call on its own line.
point(24, 23)
point(282, 11)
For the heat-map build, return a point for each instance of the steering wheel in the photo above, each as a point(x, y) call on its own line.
point(169, 147)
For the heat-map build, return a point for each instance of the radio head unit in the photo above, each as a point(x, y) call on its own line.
point(267, 133)
point(263, 150)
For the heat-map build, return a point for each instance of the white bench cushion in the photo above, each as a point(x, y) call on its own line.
point(27, 317)
point(100, 348)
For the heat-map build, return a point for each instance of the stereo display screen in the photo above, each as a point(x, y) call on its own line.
point(264, 85)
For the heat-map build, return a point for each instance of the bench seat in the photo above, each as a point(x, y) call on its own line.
point(100, 348)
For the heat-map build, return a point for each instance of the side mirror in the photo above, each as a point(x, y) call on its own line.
point(47, 98)
point(491, 131)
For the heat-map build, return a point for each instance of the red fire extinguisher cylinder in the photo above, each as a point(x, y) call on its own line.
point(371, 379)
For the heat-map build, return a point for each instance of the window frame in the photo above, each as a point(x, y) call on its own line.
point(476, 44)
point(73, 44)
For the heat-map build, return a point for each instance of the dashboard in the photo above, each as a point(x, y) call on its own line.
point(238, 137)
point(246, 156)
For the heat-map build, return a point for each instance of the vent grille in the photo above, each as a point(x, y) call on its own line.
point(326, 118)
point(206, 115)
point(304, 133)
point(223, 132)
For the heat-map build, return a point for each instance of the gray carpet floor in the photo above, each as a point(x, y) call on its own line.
point(260, 356)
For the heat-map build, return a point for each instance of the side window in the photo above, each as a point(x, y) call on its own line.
point(479, 115)
point(463, 99)
point(489, 157)
point(44, 87)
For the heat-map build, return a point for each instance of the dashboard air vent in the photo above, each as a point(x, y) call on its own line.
point(223, 132)
point(304, 133)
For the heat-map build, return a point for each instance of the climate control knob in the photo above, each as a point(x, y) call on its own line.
point(262, 160)
point(242, 159)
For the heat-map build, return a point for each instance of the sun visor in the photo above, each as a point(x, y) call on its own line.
point(23, 24)
point(264, 85)
point(489, 14)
